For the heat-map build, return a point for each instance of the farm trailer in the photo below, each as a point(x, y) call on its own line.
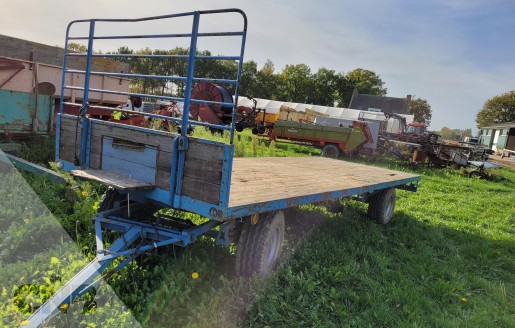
point(333, 141)
point(149, 169)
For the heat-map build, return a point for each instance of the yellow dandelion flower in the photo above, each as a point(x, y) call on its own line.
point(84, 193)
point(194, 275)
point(25, 322)
point(64, 306)
point(464, 299)
point(54, 261)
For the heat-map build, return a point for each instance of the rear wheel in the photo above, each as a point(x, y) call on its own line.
point(381, 206)
point(259, 245)
point(331, 151)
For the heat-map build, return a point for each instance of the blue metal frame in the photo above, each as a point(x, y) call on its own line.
point(125, 246)
point(175, 199)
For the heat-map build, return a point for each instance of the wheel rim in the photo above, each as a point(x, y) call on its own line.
point(389, 208)
point(275, 246)
point(331, 152)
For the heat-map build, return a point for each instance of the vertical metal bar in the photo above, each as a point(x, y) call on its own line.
point(182, 147)
point(88, 143)
point(225, 186)
point(57, 133)
point(191, 72)
point(240, 68)
point(98, 235)
point(87, 74)
point(85, 99)
point(173, 170)
point(61, 98)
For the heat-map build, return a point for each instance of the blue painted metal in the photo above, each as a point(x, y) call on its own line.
point(159, 77)
point(85, 280)
point(17, 110)
point(225, 186)
point(57, 134)
point(137, 163)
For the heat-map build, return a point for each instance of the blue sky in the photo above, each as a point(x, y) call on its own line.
point(454, 53)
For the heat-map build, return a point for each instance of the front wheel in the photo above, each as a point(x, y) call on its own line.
point(259, 245)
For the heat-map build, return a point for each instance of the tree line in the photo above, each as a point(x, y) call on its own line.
point(294, 83)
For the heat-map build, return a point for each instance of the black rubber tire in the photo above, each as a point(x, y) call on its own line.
point(259, 245)
point(382, 205)
point(108, 199)
point(331, 151)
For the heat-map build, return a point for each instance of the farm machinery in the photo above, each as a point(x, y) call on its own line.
point(423, 146)
point(241, 200)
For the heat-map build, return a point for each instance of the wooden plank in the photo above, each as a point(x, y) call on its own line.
point(260, 180)
point(203, 170)
point(164, 161)
point(163, 179)
point(206, 152)
point(201, 190)
point(115, 180)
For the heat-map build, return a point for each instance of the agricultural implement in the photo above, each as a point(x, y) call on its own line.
point(148, 169)
point(333, 141)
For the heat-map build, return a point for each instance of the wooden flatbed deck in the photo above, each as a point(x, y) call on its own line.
point(264, 180)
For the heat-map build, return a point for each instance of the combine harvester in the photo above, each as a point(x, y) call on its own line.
point(149, 169)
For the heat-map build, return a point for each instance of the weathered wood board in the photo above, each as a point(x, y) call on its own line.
point(261, 180)
point(202, 176)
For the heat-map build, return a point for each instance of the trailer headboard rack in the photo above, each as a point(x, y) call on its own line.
point(176, 170)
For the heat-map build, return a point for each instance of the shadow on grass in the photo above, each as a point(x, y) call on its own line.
point(352, 271)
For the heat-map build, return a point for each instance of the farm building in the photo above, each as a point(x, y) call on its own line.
point(498, 136)
point(30, 79)
point(379, 103)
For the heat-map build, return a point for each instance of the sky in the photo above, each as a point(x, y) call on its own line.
point(456, 54)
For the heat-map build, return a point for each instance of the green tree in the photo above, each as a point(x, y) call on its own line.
point(295, 83)
point(248, 79)
point(498, 109)
point(324, 86)
point(77, 47)
point(466, 133)
point(451, 134)
point(421, 109)
point(365, 81)
point(267, 82)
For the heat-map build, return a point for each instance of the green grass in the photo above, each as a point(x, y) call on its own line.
point(446, 260)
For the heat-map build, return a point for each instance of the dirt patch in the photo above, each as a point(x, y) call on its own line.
point(506, 161)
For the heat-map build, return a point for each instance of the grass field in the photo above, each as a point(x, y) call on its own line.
point(447, 260)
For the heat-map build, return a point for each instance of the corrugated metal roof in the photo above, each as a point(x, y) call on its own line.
point(500, 125)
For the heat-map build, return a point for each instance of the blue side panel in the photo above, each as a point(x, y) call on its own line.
point(132, 160)
point(18, 110)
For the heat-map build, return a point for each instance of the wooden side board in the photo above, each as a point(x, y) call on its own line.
point(203, 171)
point(202, 177)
